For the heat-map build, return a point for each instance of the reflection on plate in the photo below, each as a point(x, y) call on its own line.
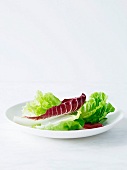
point(113, 118)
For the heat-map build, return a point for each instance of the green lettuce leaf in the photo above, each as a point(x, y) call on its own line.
point(64, 126)
point(62, 123)
point(96, 108)
point(40, 104)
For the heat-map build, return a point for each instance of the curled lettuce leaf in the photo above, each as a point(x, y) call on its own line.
point(96, 108)
point(40, 104)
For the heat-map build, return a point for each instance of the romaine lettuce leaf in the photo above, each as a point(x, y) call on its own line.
point(64, 126)
point(63, 122)
point(40, 104)
point(96, 108)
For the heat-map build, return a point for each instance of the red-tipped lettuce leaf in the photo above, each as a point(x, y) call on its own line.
point(67, 106)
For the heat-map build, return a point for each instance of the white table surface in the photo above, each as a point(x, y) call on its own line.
point(21, 151)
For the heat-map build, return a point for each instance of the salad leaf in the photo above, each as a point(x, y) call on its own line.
point(64, 126)
point(96, 108)
point(40, 104)
point(62, 123)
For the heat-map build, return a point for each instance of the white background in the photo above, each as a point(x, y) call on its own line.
point(66, 47)
point(63, 40)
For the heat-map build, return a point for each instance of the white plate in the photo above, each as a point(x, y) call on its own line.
point(113, 118)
